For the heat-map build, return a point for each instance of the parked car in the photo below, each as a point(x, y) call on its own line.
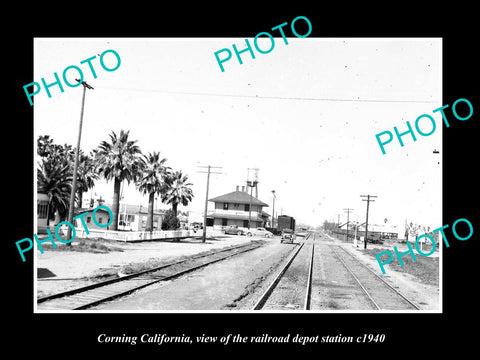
point(260, 231)
point(287, 236)
point(234, 230)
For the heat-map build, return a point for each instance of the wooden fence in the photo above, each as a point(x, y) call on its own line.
point(137, 235)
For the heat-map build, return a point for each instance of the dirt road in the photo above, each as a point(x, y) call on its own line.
point(230, 284)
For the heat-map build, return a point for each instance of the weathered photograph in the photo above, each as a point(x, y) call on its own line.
point(281, 174)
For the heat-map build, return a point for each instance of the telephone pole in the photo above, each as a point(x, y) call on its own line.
point(348, 213)
point(75, 164)
point(208, 172)
point(366, 222)
point(252, 184)
point(273, 209)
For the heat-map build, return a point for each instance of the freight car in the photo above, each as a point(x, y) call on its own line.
point(285, 222)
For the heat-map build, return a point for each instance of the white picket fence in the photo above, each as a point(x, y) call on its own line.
point(136, 235)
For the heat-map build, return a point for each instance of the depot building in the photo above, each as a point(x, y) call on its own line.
point(235, 208)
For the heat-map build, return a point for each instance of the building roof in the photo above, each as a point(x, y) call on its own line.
point(130, 209)
point(238, 197)
point(87, 209)
point(373, 228)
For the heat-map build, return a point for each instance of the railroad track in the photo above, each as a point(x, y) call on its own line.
point(380, 293)
point(291, 287)
point(91, 295)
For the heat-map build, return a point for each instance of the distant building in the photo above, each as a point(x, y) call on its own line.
point(102, 217)
point(134, 217)
point(234, 208)
point(93, 201)
point(375, 232)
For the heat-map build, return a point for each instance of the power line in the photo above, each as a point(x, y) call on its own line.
point(271, 97)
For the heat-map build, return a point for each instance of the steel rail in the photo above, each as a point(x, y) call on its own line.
point(128, 290)
point(129, 276)
point(263, 299)
point(308, 293)
point(356, 279)
point(378, 277)
point(169, 277)
point(386, 283)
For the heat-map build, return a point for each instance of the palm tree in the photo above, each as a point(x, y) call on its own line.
point(118, 160)
point(54, 175)
point(55, 179)
point(178, 192)
point(154, 180)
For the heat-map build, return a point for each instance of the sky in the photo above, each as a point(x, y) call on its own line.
point(305, 114)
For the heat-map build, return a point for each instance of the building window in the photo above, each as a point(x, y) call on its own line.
point(89, 219)
point(224, 222)
point(247, 207)
point(236, 206)
point(100, 219)
point(42, 207)
point(225, 206)
point(245, 223)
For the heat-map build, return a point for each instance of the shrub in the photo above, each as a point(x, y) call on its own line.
point(170, 221)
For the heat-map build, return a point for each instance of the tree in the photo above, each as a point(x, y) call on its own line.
point(55, 179)
point(118, 160)
point(170, 221)
point(54, 175)
point(86, 175)
point(178, 191)
point(44, 145)
point(153, 180)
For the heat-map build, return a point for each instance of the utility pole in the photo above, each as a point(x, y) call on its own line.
point(355, 237)
point(273, 209)
point(75, 165)
point(252, 184)
point(337, 228)
point(366, 222)
point(348, 217)
point(206, 197)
